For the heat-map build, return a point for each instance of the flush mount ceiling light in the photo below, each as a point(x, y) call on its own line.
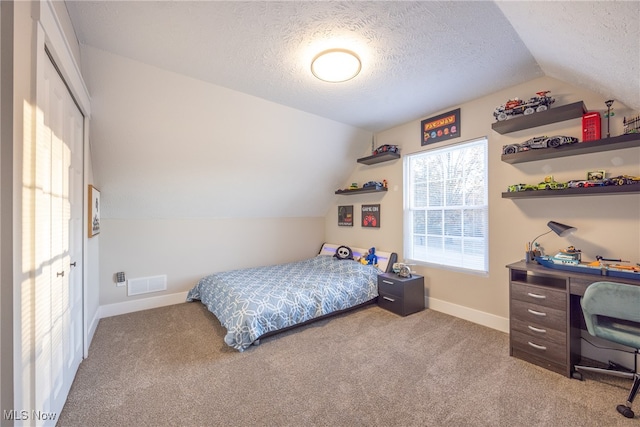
point(336, 65)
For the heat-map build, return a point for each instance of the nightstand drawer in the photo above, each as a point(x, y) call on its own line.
point(391, 303)
point(390, 286)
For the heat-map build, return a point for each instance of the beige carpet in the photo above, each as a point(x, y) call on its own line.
point(170, 367)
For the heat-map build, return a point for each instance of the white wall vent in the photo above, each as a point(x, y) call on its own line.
point(145, 285)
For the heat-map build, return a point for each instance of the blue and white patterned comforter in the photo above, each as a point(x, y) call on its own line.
point(253, 301)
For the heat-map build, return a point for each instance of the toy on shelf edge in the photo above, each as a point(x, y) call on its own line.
point(609, 113)
point(515, 107)
point(551, 184)
point(521, 187)
point(632, 125)
point(591, 126)
point(386, 148)
point(373, 184)
point(539, 142)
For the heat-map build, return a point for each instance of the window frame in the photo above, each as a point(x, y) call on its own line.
point(409, 209)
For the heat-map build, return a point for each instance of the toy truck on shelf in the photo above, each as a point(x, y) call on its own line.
point(515, 107)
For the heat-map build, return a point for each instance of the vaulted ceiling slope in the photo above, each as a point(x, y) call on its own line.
point(418, 57)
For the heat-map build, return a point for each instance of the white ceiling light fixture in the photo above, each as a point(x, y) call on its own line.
point(336, 65)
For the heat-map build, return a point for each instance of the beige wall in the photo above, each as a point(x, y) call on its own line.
point(607, 225)
point(188, 249)
point(197, 178)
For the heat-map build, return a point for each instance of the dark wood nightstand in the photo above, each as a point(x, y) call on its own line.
point(401, 295)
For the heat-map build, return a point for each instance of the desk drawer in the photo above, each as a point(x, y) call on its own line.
point(539, 295)
point(542, 348)
point(539, 315)
point(539, 332)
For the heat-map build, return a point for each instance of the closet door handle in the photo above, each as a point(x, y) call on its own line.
point(73, 264)
point(60, 274)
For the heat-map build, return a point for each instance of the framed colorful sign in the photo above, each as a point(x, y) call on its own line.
point(371, 216)
point(345, 216)
point(440, 128)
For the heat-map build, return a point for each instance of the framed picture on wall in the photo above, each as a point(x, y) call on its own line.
point(345, 216)
point(371, 216)
point(439, 128)
point(94, 211)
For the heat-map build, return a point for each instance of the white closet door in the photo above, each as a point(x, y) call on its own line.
point(58, 200)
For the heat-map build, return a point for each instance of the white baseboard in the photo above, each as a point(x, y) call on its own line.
point(480, 317)
point(141, 304)
point(92, 330)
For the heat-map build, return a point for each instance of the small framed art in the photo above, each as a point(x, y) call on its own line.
point(94, 211)
point(595, 175)
point(345, 216)
point(371, 216)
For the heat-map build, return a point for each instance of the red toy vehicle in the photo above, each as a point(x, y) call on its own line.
point(515, 106)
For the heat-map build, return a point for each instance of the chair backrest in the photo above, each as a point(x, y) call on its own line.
point(612, 311)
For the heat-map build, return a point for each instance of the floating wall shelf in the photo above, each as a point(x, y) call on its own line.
point(362, 191)
point(379, 158)
point(568, 192)
point(607, 144)
point(552, 115)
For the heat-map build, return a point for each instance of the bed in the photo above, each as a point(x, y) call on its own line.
point(254, 303)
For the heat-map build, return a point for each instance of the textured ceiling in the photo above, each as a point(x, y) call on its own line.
point(417, 57)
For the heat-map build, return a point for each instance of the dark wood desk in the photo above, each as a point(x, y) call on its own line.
point(545, 316)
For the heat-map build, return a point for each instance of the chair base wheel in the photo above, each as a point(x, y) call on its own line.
point(626, 411)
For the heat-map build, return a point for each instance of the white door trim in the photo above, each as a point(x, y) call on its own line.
point(56, 42)
point(47, 31)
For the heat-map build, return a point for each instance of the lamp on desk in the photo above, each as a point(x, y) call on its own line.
point(561, 230)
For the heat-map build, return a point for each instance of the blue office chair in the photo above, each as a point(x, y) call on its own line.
point(612, 312)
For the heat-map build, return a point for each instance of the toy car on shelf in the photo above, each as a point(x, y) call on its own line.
point(539, 142)
point(625, 180)
point(521, 187)
point(551, 184)
point(577, 183)
point(373, 184)
point(515, 107)
point(386, 148)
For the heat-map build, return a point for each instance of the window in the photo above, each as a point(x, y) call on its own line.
point(445, 208)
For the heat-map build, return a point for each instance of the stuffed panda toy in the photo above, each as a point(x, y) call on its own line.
point(343, 252)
